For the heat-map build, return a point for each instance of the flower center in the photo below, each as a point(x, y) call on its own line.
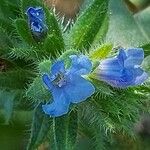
point(59, 80)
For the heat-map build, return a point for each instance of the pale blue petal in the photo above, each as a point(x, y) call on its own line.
point(57, 68)
point(78, 89)
point(131, 77)
point(110, 69)
point(60, 105)
point(119, 83)
point(47, 81)
point(135, 57)
point(126, 79)
point(37, 26)
point(81, 65)
point(122, 56)
point(140, 76)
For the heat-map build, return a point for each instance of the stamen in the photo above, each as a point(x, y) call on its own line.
point(59, 80)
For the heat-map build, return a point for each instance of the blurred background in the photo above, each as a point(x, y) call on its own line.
point(16, 130)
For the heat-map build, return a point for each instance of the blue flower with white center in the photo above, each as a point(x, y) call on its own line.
point(67, 85)
point(36, 20)
point(124, 70)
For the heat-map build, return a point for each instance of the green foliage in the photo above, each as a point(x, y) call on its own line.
point(26, 52)
point(37, 92)
point(54, 43)
point(60, 129)
point(8, 10)
point(146, 48)
point(72, 129)
point(101, 35)
point(126, 32)
point(45, 66)
point(7, 100)
point(101, 52)
point(40, 127)
point(23, 61)
point(88, 24)
point(5, 41)
point(23, 30)
point(17, 76)
point(65, 131)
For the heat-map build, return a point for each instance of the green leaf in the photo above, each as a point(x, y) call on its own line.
point(7, 98)
point(65, 129)
point(102, 88)
point(146, 48)
point(143, 20)
point(72, 129)
point(60, 129)
point(23, 30)
point(54, 43)
point(5, 41)
point(26, 52)
point(124, 29)
point(14, 79)
point(85, 5)
point(45, 66)
point(40, 127)
point(88, 24)
point(6, 10)
point(37, 92)
point(101, 35)
point(101, 52)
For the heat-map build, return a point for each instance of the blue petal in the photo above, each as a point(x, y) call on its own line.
point(131, 77)
point(78, 89)
point(126, 80)
point(81, 65)
point(110, 69)
point(140, 76)
point(58, 67)
point(47, 81)
point(37, 26)
point(122, 56)
point(60, 105)
point(35, 13)
point(135, 57)
point(119, 83)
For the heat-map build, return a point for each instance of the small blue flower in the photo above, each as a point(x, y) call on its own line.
point(124, 70)
point(67, 85)
point(36, 21)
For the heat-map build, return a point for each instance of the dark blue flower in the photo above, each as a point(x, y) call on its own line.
point(36, 20)
point(124, 70)
point(67, 85)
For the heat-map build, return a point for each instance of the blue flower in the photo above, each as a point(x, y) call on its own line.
point(67, 85)
point(36, 20)
point(124, 70)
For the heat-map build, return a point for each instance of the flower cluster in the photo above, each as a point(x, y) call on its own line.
point(68, 85)
point(36, 21)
